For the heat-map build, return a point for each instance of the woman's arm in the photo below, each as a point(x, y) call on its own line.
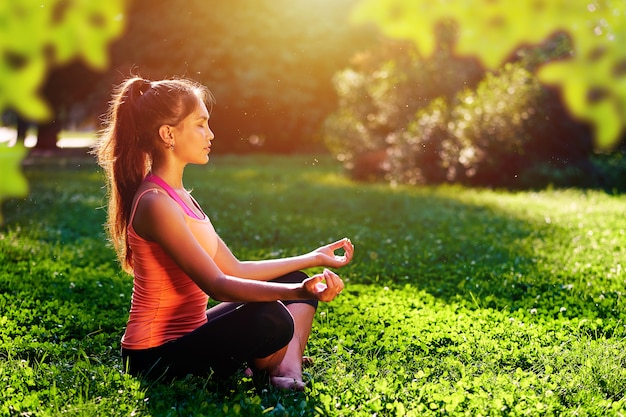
point(272, 268)
point(159, 219)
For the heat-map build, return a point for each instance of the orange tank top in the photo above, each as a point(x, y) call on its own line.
point(166, 304)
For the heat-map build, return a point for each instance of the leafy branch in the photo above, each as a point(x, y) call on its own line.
point(592, 79)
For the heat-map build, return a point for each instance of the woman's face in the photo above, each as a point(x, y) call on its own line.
point(192, 136)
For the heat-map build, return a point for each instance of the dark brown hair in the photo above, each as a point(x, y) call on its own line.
point(130, 141)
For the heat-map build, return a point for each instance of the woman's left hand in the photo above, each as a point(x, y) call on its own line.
point(327, 256)
point(323, 291)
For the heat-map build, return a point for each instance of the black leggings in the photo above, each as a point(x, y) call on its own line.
point(236, 333)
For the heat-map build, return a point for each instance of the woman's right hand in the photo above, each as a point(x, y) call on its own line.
point(324, 291)
point(326, 254)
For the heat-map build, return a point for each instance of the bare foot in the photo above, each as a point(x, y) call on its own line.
point(306, 362)
point(287, 383)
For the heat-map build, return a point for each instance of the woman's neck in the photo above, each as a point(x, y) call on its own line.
point(173, 179)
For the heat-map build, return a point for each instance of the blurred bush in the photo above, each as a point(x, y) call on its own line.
point(403, 119)
point(379, 96)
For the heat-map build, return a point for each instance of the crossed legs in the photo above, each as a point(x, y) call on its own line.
point(271, 336)
point(285, 365)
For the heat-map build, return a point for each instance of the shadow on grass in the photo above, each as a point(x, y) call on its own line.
point(444, 240)
point(237, 395)
point(455, 243)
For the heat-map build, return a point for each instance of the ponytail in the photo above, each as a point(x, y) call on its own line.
point(130, 141)
point(118, 153)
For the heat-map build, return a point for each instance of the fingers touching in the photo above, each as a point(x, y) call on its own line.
point(337, 261)
point(329, 289)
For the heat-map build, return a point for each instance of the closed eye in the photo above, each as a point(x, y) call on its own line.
point(203, 122)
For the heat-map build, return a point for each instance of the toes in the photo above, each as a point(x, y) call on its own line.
point(287, 383)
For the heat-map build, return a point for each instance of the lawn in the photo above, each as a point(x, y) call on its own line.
point(458, 302)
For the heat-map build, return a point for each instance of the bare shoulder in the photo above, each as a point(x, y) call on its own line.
point(155, 212)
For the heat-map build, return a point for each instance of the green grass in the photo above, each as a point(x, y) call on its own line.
point(458, 301)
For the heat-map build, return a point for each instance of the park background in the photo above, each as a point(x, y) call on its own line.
point(481, 186)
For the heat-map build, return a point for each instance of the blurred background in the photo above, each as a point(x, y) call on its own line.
point(268, 63)
point(387, 95)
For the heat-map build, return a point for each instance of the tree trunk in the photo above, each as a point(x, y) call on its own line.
point(47, 135)
point(22, 129)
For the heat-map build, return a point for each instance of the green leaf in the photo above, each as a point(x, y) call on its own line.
point(19, 88)
point(562, 73)
point(86, 29)
point(13, 182)
point(401, 19)
point(30, 29)
point(607, 122)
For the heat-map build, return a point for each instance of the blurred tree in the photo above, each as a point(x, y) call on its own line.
point(268, 62)
point(36, 35)
point(66, 89)
point(592, 79)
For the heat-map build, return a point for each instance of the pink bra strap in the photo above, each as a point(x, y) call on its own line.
point(170, 191)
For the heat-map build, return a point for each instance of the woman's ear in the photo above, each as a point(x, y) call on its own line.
point(165, 132)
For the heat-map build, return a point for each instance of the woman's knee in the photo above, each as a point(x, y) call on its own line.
point(293, 278)
point(276, 323)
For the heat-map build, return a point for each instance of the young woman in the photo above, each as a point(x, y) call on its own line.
point(162, 236)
